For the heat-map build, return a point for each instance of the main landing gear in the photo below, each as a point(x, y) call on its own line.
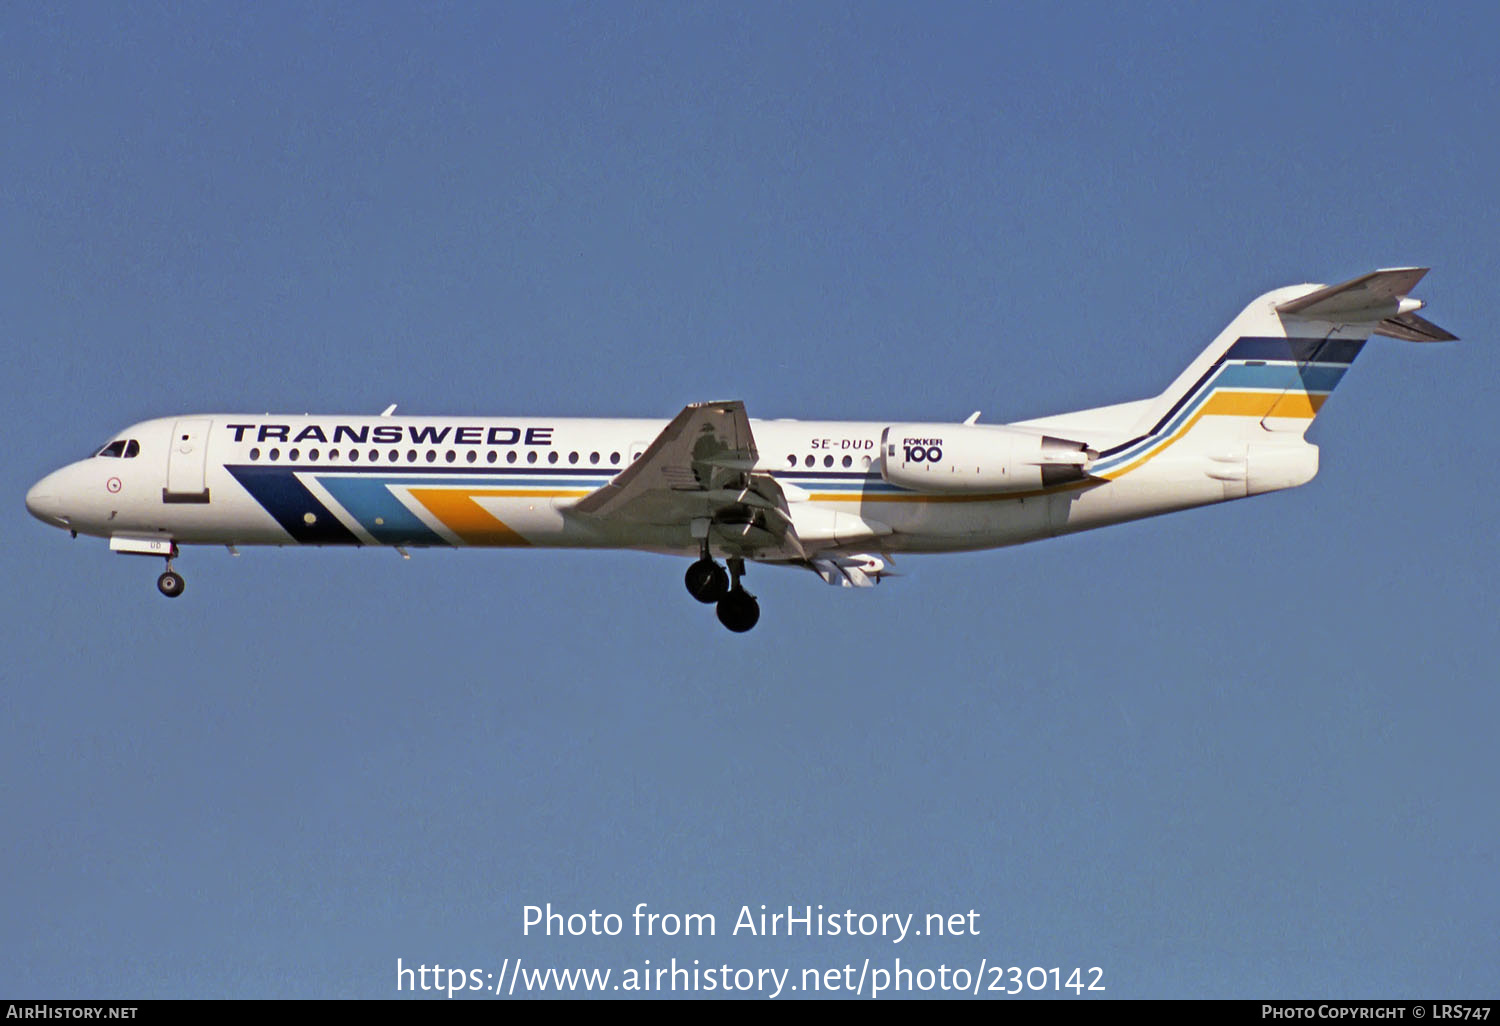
point(707, 582)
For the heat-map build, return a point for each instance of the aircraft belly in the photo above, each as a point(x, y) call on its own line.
point(1166, 488)
point(943, 524)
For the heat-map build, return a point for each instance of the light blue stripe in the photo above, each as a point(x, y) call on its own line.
point(368, 499)
point(1286, 376)
point(1307, 377)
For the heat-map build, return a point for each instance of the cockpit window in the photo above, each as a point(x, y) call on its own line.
point(121, 448)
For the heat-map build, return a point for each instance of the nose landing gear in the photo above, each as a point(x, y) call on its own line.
point(170, 583)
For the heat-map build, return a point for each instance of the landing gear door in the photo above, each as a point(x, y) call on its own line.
point(186, 462)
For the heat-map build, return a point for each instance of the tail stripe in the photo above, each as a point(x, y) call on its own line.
point(1300, 350)
point(1243, 382)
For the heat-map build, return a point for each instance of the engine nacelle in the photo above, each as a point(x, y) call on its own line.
point(978, 458)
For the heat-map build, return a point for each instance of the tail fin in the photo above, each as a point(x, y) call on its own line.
point(1269, 372)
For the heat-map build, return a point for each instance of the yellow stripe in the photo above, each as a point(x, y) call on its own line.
point(1263, 404)
point(477, 526)
point(523, 493)
point(1297, 404)
point(1223, 403)
point(1234, 404)
point(466, 518)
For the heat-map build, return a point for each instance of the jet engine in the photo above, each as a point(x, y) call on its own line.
point(979, 458)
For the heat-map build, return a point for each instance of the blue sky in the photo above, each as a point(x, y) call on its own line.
point(1237, 752)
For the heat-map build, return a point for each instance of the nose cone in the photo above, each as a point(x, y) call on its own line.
point(43, 501)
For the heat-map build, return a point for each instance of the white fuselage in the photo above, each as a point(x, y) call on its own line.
point(834, 497)
point(261, 479)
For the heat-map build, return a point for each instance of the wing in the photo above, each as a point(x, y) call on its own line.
point(701, 467)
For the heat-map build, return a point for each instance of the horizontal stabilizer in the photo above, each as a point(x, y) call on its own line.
point(1377, 292)
point(1411, 328)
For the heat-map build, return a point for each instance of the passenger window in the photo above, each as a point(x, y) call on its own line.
point(353, 455)
point(431, 455)
point(593, 457)
point(275, 455)
point(411, 455)
point(572, 457)
point(450, 456)
point(292, 454)
point(791, 460)
point(394, 456)
point(254, 454)
point(808, 461)
point(848, 461)
point(552, 456)
point(614, 458)
point(312, 454)
point(531, 456)
point(510, 457)
point(828, 460)
point(471, 456)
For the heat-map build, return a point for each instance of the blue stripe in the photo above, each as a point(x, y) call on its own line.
point(1182, 416)
point(478, 472)
point(288, 500)
point(1307, 377)
point(369, 500)
point(797, 475)
point(479, 480)
point(1301, 350)
point(1308, 351)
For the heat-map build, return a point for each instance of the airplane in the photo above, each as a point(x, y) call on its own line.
point(839, 498)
